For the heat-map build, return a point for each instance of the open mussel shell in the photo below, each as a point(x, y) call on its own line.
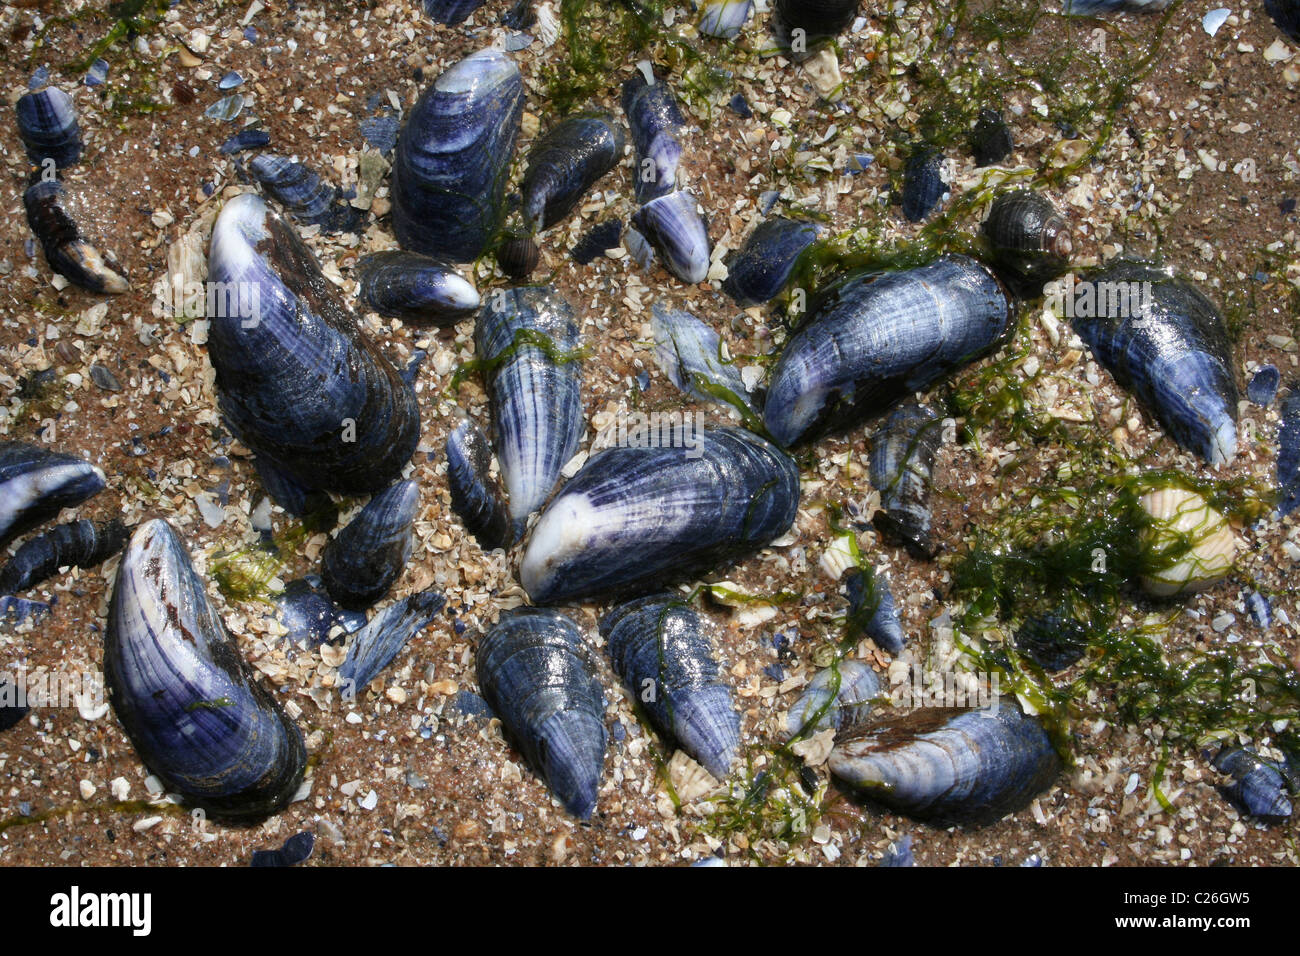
point(1028, 236)
point(634, 518)
point(903, 449)
point(297, 380)
point(948, 766)
point(657, 126)
point(565, 163)
point(451, 12)
point(724, 19)
point(661, 651)
point(452, 158)
point(690, 353)
point(190, 704)
point(47, 124)
point(475, 496)
point(837, 697)
point(36, 483)
point(537, 675)
point(1258, 788)
point(878, 338)
point(759, 270)
point(363, 560)
point(529, 338)
point(81, 544)
point(675, 228)
point(415, 288)
point(1167, 343)
point(57, 222)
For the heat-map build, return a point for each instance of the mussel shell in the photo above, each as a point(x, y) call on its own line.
point(636, 517)
point(724, 19)
point(374, 646)
point(834, 705)
point(451, 12)
point(308, 615)
point(565, 163)
point(662, 653)
point(759, 270)
point(81, 544)
point(415, 288)
point(530, 338)
point(818, 18)
point(453, 158)
point(1171, 350)
point(47, 124)
point(597, 241)
point(872, 611)
point(297, 380)
point(475, 497)
point(1258, 788)
point(657, 125)
point(877, 338)
point(53, 216)
point(675, 228)
point(10, 713)
point(902, 470)
point(190, 704)
point(1028, 236)
point(1095, 8)
point(363, 560)
point(37, 483)
point(303, 193)
point(537, 675)
point(923, 184)
point(1288, 453)
point(689, 352)
point(947, 766)
point(1263, 385)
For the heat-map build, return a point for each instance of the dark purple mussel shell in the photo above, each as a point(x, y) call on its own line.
point(364, 559)
point(297, 380)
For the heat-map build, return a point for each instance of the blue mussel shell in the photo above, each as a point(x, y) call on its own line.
point(536, 674)
point(453, 158)
point(297, 380)
point(659, 648)
point(190, 704)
